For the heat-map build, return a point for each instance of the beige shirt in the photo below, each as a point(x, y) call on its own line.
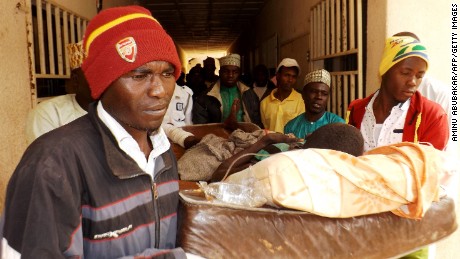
point(51, 114)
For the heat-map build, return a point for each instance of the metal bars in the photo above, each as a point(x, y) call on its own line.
point(336, 34)
point(54, 28)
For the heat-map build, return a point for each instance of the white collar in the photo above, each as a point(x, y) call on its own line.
point(126, 142)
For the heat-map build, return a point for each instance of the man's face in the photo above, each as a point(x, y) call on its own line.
point(229, 75)
point(286, 78)
point(402, 80)
point(315, 96)
point(138, 99)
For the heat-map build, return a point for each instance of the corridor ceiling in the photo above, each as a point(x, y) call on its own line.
point(204, 25)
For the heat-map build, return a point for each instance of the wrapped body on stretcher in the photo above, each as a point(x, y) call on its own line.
point(404, 178)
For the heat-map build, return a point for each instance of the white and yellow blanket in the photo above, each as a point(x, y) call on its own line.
point(402, 178)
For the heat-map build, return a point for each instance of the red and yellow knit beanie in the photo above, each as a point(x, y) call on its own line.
point(120, 39)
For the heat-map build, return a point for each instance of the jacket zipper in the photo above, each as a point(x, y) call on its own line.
point(156, 206)
point(156, 212)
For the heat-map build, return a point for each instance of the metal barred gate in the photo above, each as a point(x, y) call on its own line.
point(50, 28)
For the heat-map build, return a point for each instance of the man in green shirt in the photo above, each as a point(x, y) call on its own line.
point(215, 104)
point(315, 94)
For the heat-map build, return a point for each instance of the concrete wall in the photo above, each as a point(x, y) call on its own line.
point(15, 94)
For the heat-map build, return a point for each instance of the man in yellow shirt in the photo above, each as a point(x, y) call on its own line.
point(284, 103)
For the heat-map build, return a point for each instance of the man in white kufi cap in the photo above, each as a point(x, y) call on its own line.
point(228, 99)
point(315, 93)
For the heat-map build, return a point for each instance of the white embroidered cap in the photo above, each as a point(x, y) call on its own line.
point(320, 75)
point(230, 60)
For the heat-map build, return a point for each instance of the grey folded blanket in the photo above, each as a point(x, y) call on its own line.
point(199, 162)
